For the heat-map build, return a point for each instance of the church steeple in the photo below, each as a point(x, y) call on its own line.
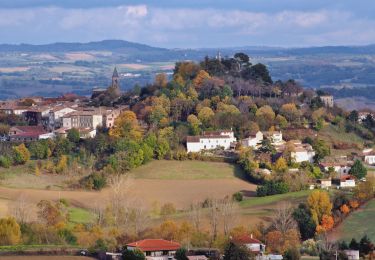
point(114, 89)
point(115, 78)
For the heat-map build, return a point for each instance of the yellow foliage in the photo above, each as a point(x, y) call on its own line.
point(10, 232)
point(126, 125)
point(320, 205)
point(200, 78)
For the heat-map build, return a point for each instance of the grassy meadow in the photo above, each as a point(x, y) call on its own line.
point(358, 224)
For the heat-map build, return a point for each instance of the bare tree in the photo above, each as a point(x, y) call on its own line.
point(139, 217)
point(227, 209)
point(118, 200)
point(195, 215)
point(214, 214)
point(283, 220)
point(99, 210)
point(20, 209)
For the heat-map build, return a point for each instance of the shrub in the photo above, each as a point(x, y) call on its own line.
point(238, 196)
point(292, 254)
point(272, 188)
point(167, 209)
point(5, 161)
point(96, 181)
point(21, 154)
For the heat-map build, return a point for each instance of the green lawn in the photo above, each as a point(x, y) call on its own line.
point(260, 201)
point(80, 216)
point(359, 223)
point(187, 170)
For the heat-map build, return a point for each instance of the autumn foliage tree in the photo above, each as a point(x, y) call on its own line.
point(320, 205)
point(21, 154)
point(10, 232)
point(126, 125)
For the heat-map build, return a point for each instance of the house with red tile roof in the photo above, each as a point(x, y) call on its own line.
point(253, 244)
point(26, 133)
point(155, 249)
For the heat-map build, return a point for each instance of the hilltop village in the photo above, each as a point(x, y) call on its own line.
point(286, 139)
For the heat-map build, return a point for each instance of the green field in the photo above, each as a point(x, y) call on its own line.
point(80, 216)
point(187, 170)
point(291, 197)
point(359, 223)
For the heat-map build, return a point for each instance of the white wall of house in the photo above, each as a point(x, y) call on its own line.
point(253, 141)
point(347, 183)
point(303, 156)
point(370, 159)
point(208, 143)
point(341, 170)
point(256, 247)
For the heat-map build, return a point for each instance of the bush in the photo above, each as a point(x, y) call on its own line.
point(272, 188)
point(21, 154)
point(238, 196)
point(292, 254)
point(5, 161)
point(96, 181)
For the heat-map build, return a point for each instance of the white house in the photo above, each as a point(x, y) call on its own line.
point(347, 182)
point(327, 100)
point(325, 183)
point(369, 156)
point(56, 114)
point(253, 140)
point(210, 140)
point(352, 254)
point(341, 168)
point(303, 153)
point(254, 245)
point(276, 137)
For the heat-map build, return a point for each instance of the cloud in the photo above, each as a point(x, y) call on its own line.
point(185, 27)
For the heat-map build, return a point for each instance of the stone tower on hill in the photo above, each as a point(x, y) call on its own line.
point(114, 89)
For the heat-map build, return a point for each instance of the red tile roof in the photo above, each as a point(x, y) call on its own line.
point(155, 245)
point(246, 239)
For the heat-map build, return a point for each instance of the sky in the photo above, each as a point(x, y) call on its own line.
point(190, 23)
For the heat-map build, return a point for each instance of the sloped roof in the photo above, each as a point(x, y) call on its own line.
point(246, 239)
point(155, 245)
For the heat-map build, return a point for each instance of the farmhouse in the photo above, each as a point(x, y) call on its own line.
point(276, 137)
point(347, 182)
point(254, 245)
point(253, 140)
point(26, 133)
point(342, 167)
point(155, 249)
point(302, 152)
point(325, 183)
point(327, 100)
point(210, 140)
point(369, 156)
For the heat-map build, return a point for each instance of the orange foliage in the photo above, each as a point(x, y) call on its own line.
point(344, 209)
point(326, 224)
point(353, 204)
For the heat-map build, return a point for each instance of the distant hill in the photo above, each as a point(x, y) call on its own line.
point(109, 45)
point(126, 46)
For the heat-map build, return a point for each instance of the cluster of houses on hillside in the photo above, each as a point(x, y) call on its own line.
point(338, 167)
point(50, 117)
point(226, 140)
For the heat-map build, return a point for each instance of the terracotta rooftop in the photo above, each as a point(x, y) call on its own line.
point(155, 245)
point(246, 239)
